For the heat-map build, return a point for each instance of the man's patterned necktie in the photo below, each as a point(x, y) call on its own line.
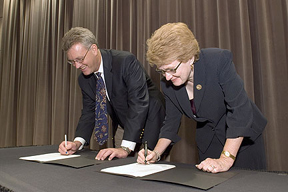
point(101, 120)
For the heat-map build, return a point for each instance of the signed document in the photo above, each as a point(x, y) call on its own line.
point(182, 174)
point(86, 158)
point(137, 170)
point(47, 157)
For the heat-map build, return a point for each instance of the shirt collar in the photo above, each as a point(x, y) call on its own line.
point(101, 68)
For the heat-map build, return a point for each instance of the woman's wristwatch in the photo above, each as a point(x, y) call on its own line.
point(228, 154)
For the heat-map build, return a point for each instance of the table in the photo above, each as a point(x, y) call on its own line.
point(19, 175)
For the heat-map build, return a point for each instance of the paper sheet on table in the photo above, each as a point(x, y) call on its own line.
point(48, 157)
point(137, 170)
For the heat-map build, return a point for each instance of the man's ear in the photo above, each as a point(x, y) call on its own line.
point(94, 49)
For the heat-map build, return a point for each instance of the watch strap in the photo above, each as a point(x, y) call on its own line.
point(126, 149)
point(228, 154)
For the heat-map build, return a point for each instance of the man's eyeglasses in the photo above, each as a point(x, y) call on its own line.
point(170, 71)
point(72, 62)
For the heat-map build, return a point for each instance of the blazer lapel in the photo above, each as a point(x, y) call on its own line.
point(199, 83)
point(183, 100)
point(199, 88)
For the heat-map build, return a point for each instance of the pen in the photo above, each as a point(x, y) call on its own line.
point(66, 142)
point(145, 151)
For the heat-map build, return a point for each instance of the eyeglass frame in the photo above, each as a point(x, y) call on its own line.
point(163, 72)
point(72, 62)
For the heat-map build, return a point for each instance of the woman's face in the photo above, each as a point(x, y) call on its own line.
point(177, 72)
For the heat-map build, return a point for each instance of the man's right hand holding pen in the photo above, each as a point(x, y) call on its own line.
point(70, 149)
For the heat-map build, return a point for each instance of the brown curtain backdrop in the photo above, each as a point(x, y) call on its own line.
point(39, 95)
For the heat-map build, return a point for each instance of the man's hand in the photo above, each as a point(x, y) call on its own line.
point(71, 148)
point(111, 152)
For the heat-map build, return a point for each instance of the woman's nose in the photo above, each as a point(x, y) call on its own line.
point(168, 76)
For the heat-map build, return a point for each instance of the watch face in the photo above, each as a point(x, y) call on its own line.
point(227, 153)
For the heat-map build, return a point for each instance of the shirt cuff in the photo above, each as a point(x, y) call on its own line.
point(131, 145)
point(81, 140)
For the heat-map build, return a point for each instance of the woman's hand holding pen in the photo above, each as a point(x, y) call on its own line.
point(70, 148)
point(151, 157)
point(155, 155)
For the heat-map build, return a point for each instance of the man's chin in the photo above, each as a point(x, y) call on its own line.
point(86, 73)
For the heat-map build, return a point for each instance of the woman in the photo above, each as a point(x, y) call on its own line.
point(204, 86)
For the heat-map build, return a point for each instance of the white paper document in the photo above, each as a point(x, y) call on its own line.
point(47, 157)
point(137, 170)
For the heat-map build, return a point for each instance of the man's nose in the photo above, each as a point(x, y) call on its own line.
point(77, 65)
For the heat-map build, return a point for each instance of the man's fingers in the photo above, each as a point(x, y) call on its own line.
point(103, 154)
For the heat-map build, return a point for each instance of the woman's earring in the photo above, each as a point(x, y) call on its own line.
point(192, 63)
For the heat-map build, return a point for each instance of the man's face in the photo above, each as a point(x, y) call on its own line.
point(86, 60)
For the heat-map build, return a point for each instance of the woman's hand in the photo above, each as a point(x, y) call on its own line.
point(224, 163)
point(216, 165)
point(155, 155)
point(151, 157)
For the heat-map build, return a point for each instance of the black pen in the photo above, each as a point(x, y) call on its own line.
point(145, 151)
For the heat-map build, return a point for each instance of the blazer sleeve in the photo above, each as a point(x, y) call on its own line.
point(173, 116)
point(243, 117)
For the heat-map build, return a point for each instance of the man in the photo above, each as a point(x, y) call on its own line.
point(132, 100)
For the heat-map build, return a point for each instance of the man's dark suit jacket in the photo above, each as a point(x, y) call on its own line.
point(223, 110)
point(135, 103)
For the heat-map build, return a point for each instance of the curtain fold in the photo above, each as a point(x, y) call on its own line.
point(40, 98)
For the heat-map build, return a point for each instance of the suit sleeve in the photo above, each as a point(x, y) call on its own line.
point(138, 99)
point(87, 120)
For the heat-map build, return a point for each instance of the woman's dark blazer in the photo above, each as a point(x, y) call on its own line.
point(134, 101)
point(223, 109)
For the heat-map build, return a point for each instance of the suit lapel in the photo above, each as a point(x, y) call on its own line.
point(92, 84)
point(107, 65)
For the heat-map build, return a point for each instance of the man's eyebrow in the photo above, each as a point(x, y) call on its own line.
point(80, 57)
